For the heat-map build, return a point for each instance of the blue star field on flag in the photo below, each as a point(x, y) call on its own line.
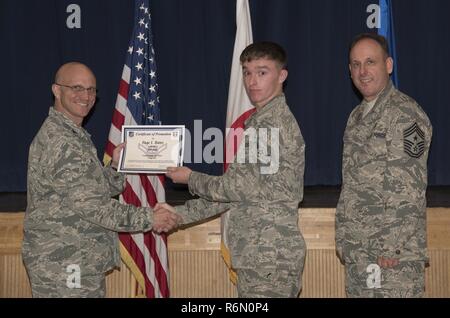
point(143, 99)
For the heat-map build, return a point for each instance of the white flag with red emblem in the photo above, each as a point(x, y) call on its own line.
point(239, 107)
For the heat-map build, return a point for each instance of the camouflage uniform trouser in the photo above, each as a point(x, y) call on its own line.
point(406, 280)
point(271, 283)
point(45, 284)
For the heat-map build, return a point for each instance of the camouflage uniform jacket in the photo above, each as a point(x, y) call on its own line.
point(263, 225)
point(382, 206)
point(71, 217)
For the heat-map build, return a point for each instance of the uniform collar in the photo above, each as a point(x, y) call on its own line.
point(385, 93)
point(267, 110)
point(67, 122)
point(379, 104)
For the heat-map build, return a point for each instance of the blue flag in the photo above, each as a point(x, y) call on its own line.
point(386, 29)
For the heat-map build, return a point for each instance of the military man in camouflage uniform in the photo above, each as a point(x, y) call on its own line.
point(381, 214)
point(267, 248)
point(70, 226)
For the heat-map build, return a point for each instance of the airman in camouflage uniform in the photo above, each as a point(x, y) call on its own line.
point(267, 248)
point(70, 226)
point(381, 214)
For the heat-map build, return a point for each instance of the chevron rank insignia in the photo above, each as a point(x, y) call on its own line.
point(414, 141)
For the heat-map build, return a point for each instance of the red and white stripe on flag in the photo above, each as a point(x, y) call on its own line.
point(144, 253)
point(239, 108)
point(138, 104)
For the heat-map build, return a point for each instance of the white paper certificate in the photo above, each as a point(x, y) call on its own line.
point(151, 149)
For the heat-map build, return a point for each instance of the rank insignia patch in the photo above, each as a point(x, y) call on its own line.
point(414, 141)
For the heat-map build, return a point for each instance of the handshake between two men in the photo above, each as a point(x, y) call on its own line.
point(165, 218)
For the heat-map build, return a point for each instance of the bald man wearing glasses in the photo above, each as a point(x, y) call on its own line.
point(71, 221)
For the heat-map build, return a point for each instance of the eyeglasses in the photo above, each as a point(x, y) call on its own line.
point(78, 89)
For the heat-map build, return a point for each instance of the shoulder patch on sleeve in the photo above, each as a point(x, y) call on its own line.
point(414, 141)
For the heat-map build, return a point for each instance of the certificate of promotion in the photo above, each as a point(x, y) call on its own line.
point(151, 149)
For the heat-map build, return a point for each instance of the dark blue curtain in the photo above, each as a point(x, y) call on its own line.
point(194, 41)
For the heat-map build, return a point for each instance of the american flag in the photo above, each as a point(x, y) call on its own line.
point(138, 104)
point(239, 108)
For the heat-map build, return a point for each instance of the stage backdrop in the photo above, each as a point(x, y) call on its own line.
point(194, 40)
